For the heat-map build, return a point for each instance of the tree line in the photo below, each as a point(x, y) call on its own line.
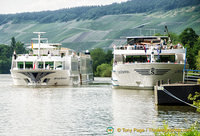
point(6, 52)
point(94, 12)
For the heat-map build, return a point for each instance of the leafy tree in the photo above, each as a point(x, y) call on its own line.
point(109, 56)
point(198, 61)
point(197, 50)
point(188, 36)
point(190, 40)
point(5, 66)
point(5, 59)
point(174, 38)
point(104, 70)
point(13, 43)
point(6, 54)
point(100, 57)
point(20, 49)
point(195, 99)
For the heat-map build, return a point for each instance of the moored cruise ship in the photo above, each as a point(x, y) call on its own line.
point(49, 64)
point(145, 60)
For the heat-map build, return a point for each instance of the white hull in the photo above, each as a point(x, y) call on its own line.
point(145, 75)
point(48, 77)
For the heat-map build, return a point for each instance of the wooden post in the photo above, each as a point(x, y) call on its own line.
point(80, 79)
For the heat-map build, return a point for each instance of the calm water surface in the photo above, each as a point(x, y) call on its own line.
point(85, 110)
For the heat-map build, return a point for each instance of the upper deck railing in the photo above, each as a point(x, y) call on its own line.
point(148, 47)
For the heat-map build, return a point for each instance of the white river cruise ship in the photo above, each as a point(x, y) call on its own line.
point(145, 60)
point(49, 64)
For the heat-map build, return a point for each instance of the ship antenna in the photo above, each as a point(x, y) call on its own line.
point(39, 35)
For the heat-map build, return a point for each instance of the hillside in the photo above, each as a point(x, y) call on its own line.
point(104, 30)
point(94, 12)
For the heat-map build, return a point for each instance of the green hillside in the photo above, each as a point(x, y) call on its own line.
point(106, 30)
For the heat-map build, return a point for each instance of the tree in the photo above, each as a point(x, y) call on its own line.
point(198, 61)
point(195, 99)
point(102, 62)
point(5, 59)
point(20, 49)
point(98, 57)
point(109, 56)
point(6, 54)
point(13, 43)
point(104, 70)
point(188, 36)
point(190, 40)
point(174, 38)
point(197, 51)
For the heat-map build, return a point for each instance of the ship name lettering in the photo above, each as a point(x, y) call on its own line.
point(123, 72)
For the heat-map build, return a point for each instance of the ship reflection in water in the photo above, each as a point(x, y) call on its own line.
point(83, 110)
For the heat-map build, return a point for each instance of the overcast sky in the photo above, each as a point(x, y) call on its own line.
point(18, 6)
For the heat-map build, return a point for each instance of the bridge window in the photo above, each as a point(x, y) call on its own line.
point(20, 65)
point(136, 59)
point(40, 65)
point(58, 65)
point(166, 58)
point(49, 65)
point(28, 65)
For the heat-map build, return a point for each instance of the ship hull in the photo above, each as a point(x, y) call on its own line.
point(48, 77)
point(145, 75)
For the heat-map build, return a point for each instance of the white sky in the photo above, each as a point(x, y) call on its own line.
point(18, 6)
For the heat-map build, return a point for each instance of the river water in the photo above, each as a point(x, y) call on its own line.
point(83, 110)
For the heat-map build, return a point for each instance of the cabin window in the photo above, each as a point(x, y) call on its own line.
point(20, 65)
point(49, 65)
point(137, 58)
point(58, 65)
point(166, 58)
point(28, 65)
point(40, 65)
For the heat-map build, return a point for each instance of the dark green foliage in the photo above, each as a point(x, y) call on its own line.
point(101, 62)
point(13, 43)
point(5, 58)
point(94, 12)
point(109, 56)
point(104, 70)
point(6, 54)
point(197, 49)
point(20, 48)
point(188, 36)
point(98, 57)
point(189, 39)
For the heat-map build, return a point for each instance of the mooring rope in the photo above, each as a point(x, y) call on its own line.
point(170, 94)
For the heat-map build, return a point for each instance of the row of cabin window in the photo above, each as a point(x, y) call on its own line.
point(161, 58)
point(40, 65)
